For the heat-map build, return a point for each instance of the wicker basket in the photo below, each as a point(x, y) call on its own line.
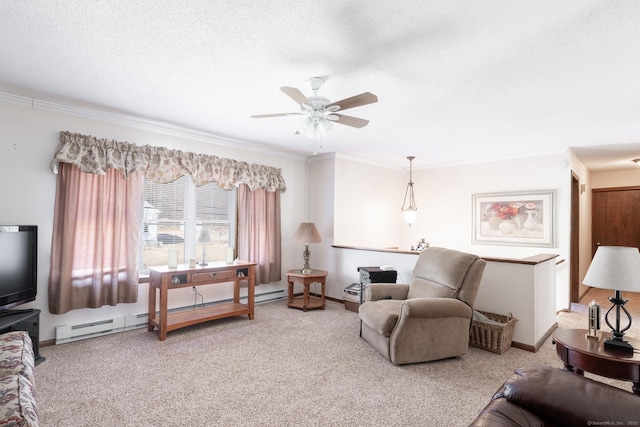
point(494, 338)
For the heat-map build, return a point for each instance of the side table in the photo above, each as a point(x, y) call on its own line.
point(579, 354)
point(306, 302)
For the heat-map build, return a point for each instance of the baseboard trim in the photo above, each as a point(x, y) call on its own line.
point(540, 343)
point(46, 343)
point(522, 346)
point(313, 294)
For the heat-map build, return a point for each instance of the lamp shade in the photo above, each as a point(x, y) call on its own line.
point(307, 233)
point(204, 236)
point(616, 268)
point(410, 215)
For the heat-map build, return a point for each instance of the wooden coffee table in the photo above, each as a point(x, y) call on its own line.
point(580, 354)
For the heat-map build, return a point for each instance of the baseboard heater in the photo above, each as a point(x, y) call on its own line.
point(67, 333)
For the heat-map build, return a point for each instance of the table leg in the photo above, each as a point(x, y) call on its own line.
point(164, 294)
point(151, 307)
point(252, 292)
point(305, 297)
point(290, 300)
point(322, 283)
point(236, 290)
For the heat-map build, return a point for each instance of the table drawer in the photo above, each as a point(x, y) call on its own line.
point(212, 277)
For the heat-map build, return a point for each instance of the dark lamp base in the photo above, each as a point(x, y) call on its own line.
point(618, 345)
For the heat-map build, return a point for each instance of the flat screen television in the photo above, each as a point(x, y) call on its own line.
point(18, 265)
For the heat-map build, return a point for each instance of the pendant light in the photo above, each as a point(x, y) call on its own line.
point(410, 212)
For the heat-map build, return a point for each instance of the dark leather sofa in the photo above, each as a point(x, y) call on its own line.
point(539, 395)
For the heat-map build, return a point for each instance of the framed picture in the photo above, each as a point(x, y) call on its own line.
point(523, 218)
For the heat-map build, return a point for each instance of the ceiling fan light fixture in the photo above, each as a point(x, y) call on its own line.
point(306, 126)
point(319, 111)
point(636, 161)
point(314, 132)
point(324, 126)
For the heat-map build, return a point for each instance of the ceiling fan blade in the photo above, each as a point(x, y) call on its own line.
point(351, 121)
point(296, 95)
point(262, 116)
point(355, 101)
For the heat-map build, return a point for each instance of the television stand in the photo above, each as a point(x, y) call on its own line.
point(24, 320)
point(14, 312)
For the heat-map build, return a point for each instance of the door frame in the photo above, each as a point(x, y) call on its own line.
point(574, 249)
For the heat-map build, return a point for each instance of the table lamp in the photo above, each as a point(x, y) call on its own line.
point(616, 268)
point(204, 237)
point(307, 233)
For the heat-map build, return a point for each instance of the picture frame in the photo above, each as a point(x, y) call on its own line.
point(519, 218)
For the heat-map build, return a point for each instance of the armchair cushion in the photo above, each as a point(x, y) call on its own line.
point(440, 273)
point(376, 291)
point(381, 316)
point(435, 308)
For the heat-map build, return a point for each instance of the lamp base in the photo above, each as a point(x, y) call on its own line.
point(616, 341)
point(204, 260)
point(306, 254)
point(618, 345)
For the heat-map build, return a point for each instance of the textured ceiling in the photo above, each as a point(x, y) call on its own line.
point(457, 81)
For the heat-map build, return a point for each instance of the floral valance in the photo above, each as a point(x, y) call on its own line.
point(162, 165)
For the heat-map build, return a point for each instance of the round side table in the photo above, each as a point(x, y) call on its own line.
point(580, 353)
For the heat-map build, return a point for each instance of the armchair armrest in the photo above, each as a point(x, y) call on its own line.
point(377, 291)
point(435, 308)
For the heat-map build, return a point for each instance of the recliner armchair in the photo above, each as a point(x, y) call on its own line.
point(428, 319)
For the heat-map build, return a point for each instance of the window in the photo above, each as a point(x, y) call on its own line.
point(175, 213)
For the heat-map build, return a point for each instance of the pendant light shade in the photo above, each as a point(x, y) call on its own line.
point(410, 212)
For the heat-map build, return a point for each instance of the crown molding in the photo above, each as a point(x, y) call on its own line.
point(143, 124)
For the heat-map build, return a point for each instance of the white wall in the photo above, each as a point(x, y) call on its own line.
point(626, 178)
point(444, 200)
point(27, 185)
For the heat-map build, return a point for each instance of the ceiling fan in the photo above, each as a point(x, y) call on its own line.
point(320, 112)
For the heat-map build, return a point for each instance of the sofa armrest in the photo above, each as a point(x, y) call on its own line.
point(433, 308)
point(564, 398)
point(378, 291)
point(501, 413)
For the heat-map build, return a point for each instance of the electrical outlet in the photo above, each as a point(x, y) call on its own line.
point(193, 289)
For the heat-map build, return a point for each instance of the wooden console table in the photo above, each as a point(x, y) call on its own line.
point(164, 279)
point(579, 354)
point(306, 302)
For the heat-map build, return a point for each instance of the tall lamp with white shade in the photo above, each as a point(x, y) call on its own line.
point(616, 268)
point(307, 233)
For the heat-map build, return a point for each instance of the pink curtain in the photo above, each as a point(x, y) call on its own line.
point(259, 237)
point(95, 239)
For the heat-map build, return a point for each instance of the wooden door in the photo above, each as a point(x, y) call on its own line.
point(615, 214)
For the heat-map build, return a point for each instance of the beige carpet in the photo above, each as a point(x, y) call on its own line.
point(285, 368)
